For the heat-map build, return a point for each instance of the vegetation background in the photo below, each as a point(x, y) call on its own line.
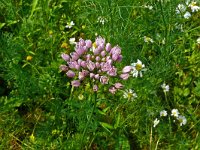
point(40, 110)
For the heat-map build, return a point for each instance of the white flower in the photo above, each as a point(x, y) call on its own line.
point(198, 40)
point(101, 20)
point(72, 41)
point(163, 113)
point(182, 120)
point(129, 94)
point(148, 6)
point(180, 8)
point(138, 67)
point(148, 39)
point(155, 122)
point(187, 2)
point(175, 112)
point(187, 15)
point(70, 24)
point(194, 7)
point(165, 87)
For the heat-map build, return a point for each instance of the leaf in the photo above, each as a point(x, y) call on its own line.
point(117, 121)
point(106, 126)
point(2, 25)
point(186, 92)
point(34, 4)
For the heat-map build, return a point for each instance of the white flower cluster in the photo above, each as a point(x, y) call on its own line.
point(175, 113)
point(183, 9)
point(101, 20)
point(70, 24)
point(165, 87)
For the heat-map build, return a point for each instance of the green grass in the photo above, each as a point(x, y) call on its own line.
point(40, 110)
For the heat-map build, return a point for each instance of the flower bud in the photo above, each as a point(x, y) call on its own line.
point(77, 67)
point(74, 56)
point(119, 59)
point(112, 90)
point(124, 76)
point(97, 58)
point(96, 76)
point(127, 69)
point(118, 85)
point(88, 43)
point(92, 75)
point(112, 71)
point(63, 68)
point(75, 83)
point(104, 79)
point(115, 57)
point(70, 74)
point(65, 57)
point(83, 64)
point(99, 40)
point(81, 42)
point(103, 53)
point(97, 64)
point(95, 88)
point(108, 47)
point(91, 65)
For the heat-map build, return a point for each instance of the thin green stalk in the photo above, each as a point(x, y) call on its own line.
point(89, 119)
point(170, 128)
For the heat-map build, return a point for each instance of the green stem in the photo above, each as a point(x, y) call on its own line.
point(89, 119)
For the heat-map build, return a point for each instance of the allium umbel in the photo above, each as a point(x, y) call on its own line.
point(95, 63)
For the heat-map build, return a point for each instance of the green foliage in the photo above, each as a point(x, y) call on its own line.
point(39, 108)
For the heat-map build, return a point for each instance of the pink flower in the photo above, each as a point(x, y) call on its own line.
point(112, 71)
point(88, 43)
point(105, 66)
point(65, 57)
point(116, 50)
point(119, 59)
point(95, 88)
point(108, 47)
point(104, 79)
point(72, 64)
point(83, 74)
point(91, 65)
point(81, 42)
point(83, 64)
point(77, 67)
point(112, 90)
point(97, 64)
point(124, 76)
point(115, 57)
point(92, 75)
point(127, 69)
point(97, 58)
point(70, 74)
point(88, 57)
point(74, 56)
point(80, 50)
point(75, 83)
point(100, 41)
point(63, 68)
point(118, 85)
point(103, 53)
point(96, 76)
point(96, 51)
point(79, 61)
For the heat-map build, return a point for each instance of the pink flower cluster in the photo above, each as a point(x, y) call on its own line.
point(94, 61)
